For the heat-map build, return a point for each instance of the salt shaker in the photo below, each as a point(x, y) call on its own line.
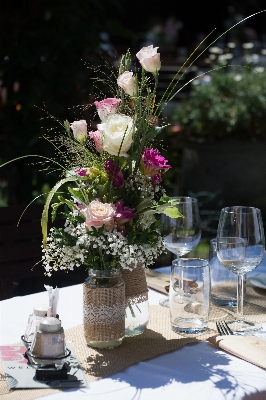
point(49, 339)
point(39, 311)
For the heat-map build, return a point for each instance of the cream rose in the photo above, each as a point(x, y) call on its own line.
point(149, 59)
point(98, 214)
point(79, 129)
point(117, 134)
point(127, 82)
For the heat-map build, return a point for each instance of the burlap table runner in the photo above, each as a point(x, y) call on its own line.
point(157, 339)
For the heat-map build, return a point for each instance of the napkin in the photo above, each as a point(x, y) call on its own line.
point(158, 281)
point(249, 348)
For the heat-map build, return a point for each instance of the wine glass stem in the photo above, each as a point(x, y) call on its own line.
point(240, 298)
point(181, 284)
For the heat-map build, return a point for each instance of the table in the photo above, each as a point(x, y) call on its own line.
point(195, 371)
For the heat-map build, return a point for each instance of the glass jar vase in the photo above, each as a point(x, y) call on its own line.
point(104, 308)
point(137, 304)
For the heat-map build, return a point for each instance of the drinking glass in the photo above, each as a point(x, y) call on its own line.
point(181, 235)
point(240, 248)
point(223, 281)
point(189, 295)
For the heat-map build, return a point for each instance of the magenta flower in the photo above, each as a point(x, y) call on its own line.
point(96, 136)
point(115, 173)
point(152, 162)
point(122, 215)
point(82, 171)
point(156, 178)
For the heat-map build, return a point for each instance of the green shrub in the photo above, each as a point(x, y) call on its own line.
point(230, 105)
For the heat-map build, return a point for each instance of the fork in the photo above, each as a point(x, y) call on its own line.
point(223, 328)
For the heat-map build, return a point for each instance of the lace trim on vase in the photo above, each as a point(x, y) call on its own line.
point(104, 314)
point(139, 298)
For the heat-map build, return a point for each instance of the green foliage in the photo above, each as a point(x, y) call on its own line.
point(44, 221)
point(231, 105)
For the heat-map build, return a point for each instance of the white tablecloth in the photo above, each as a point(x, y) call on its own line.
point(197, 371)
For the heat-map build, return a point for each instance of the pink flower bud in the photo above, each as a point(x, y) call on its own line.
point(149, 59)
point(79, 129)
point(127, 82)
point(96, 136)
point(106, 107)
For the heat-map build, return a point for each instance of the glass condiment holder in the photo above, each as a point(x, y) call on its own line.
point(48, 346)
point(39, 312)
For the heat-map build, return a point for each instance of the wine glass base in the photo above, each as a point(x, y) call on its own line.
point(243, 328)
point(164, 302)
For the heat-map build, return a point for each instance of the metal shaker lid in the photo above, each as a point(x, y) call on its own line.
point(40, 310)
point(50, 324)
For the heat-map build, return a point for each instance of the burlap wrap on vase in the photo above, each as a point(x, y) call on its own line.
point(104, 313)
point(136, 285)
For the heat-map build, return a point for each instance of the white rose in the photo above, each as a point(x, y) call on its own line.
point(79, 129)
point(127, 82)
point(149, 59)
point(117, 133)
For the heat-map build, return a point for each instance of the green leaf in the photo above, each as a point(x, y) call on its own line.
point(154, 131)
point(160, 128)
point(67, 202)
point(44, 220)
point(67, 126)
point(168, 200)
point(77, 194)
point(172, 212)
point(146, 203)
point(55, 206)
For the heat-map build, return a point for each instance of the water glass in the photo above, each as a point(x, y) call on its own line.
point(189, 295)
point(223, 281)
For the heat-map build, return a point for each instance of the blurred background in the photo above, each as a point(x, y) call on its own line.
point(216, 141)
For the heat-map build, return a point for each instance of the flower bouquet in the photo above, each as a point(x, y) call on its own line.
point(114, 176)
point(114, 179)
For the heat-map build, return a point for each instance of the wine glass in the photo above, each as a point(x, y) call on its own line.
point(181, 235)
point(240, 248)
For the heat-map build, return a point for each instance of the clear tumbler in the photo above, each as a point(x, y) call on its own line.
point(189, 295)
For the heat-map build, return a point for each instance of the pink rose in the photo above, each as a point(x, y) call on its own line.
point(98, 214)
point(106, 107)
point(149, 59)
point(96, 136)
point(127, 82)
point(79, 129)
